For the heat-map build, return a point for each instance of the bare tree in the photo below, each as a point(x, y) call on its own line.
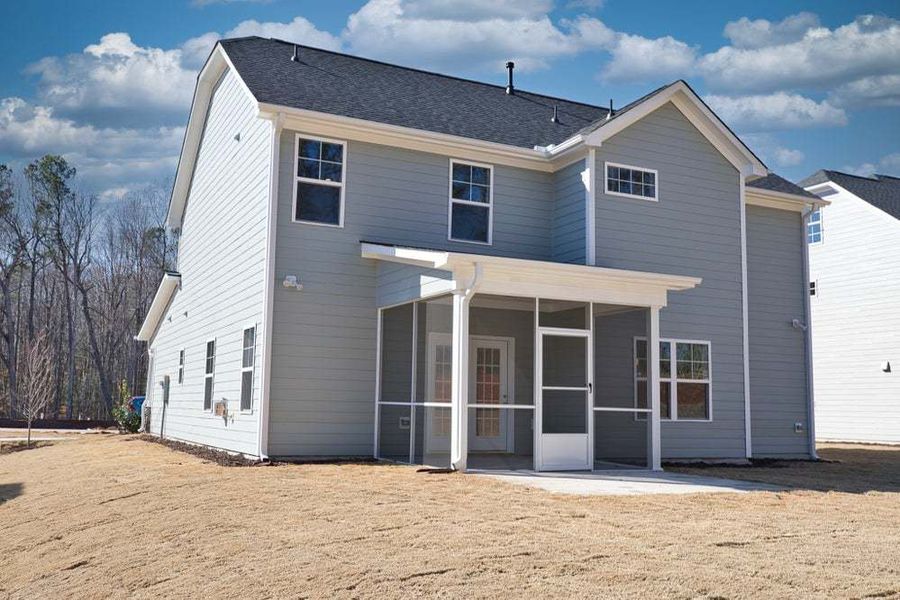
point(35, 378)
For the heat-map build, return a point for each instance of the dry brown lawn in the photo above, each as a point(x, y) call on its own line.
point(114, 516)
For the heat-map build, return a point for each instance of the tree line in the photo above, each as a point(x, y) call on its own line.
point(77, 276)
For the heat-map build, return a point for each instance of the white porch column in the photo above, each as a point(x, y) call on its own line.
point(459, 388)
point(653, 387)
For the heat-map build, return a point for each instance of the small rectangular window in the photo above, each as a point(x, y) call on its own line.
point(181, 366)
point(813, 288)
point(248, 359)
point(209, 372)
point(471, 202)
point(319, 185)
point(814, 229)
point(684, 379)
point(632, 182)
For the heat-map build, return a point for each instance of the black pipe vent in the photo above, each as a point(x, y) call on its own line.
point(510, 65)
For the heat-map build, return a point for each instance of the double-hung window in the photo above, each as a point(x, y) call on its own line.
point(471, 202)
point(631, 182)
point(181, 366)
point(209, 372)
point(319, 181)
point(248, 359)
point(814, 227)
point(684, 379)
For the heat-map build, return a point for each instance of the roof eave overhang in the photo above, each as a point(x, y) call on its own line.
point(534, 278)
point(696, 111)
point(781, 200)
point(164, 293)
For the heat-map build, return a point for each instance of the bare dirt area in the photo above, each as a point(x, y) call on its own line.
point(115, 516)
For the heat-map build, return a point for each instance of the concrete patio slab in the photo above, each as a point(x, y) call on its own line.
point(626, 483)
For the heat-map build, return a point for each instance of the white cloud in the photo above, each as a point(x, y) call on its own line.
point(298, 30)
point(636, 58)
point(775, 111)
point(476, 10)
point(591, 5)
point(745, 33)
point(887, 165)
point(786, 157)
point(868, 46)
point(883, 90)
point(772, 151)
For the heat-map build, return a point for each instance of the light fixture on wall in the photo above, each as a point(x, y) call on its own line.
point(291, 281)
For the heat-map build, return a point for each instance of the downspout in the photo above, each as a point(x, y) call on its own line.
point(262, 425)
point(460, 449)
point(807, 340)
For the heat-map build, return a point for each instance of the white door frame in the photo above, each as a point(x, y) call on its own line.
point(588, 336)
point(507, 418)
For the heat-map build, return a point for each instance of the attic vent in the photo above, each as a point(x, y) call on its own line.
point(509, 85)
point(296, 56)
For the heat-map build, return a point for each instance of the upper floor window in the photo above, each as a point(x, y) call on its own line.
point(471, 202)
point(248, 359)
point(319, 181)
point(814, 227)
point(684, 379)
point(633, 182)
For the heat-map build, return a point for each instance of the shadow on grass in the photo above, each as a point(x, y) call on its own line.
point(852, 469)
point(8, 491)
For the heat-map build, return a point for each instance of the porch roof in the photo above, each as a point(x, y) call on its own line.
point(534, 278)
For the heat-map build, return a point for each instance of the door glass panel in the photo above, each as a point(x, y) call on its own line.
point(564, 411)
point(564, 361)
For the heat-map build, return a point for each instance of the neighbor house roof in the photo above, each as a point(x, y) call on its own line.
point(777, 183)
point(881, 191)
point(361, 88)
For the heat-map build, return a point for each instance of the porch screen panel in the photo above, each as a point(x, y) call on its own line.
point(432, 399)
point(395, 420)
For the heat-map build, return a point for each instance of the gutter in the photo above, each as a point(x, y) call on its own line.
point(807, 341)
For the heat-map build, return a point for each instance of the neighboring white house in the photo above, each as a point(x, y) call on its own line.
point(854, 257)
point(377, 260)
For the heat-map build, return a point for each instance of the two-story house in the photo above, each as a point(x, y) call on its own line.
point(377, 260)
point(854, 284)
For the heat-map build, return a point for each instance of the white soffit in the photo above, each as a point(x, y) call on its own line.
point(167, 288)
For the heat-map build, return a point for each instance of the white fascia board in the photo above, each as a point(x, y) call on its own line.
point(318, 123)
point(167, 287)
point(431, 259)
point(781, 200)
point(686, 101)
point(216, 64)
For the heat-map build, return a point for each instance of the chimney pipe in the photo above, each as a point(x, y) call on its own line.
point(509, 86)
point(296, 55)
point(610, 113)
point(555, 118)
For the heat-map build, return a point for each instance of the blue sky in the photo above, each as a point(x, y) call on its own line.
point(807, 85)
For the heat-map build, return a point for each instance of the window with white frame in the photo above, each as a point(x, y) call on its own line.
point(684, 379)
point(248, 359)
point(632, 182)
point(319, 181)
point(181, 366)
point(441, 380)
point(814, 229)
point(813, 288)
point(471, 202)
point(209, 371)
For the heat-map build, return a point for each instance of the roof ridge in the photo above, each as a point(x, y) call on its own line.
point(415, 69)
point(866, 177)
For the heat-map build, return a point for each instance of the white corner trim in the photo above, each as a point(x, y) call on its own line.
point(745, 314)
point(269, 293)
point(590, 174)
point(807, 342)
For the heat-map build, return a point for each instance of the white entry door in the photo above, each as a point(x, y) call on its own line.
point(489, 428)
point(564, 405)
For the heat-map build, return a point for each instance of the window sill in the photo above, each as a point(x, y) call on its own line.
point(631, 196)
point(488, 243)
point(316, 223)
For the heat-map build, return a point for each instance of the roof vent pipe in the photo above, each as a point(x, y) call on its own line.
point(296, 56)
point(510, 65)
point(609, 113)
point(555, 118)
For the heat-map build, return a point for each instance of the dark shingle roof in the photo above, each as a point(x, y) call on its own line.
point(350, 86)
point(881, 191)
point(777, 183)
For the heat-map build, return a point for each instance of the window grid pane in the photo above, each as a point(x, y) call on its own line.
point(470, 184)
point(635, 182)
point(691, 378)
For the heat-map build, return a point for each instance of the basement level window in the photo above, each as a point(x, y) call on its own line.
point(319, 181)
point(631, 182)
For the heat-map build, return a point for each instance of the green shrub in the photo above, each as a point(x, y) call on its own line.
point(123, 413)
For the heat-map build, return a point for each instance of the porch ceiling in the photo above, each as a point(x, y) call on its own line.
point(534, 278)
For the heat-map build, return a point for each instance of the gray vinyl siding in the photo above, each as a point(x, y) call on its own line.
point(569, 233)
point(694, 229)
point(777, 350)
point(221, 258)
point(323, 364)
point(404, 283)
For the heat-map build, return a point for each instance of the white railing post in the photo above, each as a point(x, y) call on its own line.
point(653, 387)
